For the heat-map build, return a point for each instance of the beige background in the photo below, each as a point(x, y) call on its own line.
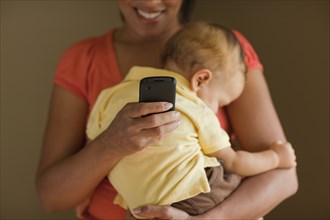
point(291, 38)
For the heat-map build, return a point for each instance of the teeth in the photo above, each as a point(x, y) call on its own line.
point(149, 15)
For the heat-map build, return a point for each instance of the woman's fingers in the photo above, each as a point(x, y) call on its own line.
point(156, 120)
point(129, 216)
point(160, 212)
point(136, 110)
point(81, 209)
point(156, 134)
point(129, 132)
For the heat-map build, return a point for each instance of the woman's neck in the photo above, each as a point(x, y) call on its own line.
point(133, 49)
point(127, 35)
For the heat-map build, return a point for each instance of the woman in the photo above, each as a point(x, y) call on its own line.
point(71, 174)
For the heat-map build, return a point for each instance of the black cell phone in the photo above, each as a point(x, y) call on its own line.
point(158, 89)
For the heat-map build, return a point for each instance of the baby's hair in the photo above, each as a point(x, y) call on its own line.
point(201, 45)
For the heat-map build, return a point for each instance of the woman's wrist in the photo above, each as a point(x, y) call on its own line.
point(105, 151)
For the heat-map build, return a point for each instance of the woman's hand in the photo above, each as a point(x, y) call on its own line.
point(63, 156)
point(158, 212)
point(130, 132)
point(81, 209)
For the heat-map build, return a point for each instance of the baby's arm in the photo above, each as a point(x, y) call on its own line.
point(246, 163)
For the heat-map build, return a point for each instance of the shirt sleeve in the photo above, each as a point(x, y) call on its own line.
point(72, 70)
point(211, 136)
point(251, 58)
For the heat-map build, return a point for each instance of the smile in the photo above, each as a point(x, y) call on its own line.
point(149, 15)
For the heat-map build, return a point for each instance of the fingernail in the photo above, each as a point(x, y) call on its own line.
point(168, 105)
point(137, 210)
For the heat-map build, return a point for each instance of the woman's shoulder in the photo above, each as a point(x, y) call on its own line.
point(81, 63)
point(88, 47)
point(251, 57)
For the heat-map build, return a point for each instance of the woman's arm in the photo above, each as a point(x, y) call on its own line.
point(253, 116)
point(256, 125)
point(68, 172)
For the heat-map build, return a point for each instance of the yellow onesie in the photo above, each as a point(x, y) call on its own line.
point(172, 169)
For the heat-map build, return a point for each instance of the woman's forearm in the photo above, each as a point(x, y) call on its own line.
point(257, 196)
point(65, 184)
point(257, 126)
point(68, 173)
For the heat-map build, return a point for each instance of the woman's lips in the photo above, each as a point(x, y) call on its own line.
point(149, 15)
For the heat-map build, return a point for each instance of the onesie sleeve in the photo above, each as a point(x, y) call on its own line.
point(211, 136)
point(251, 58)
point(94, 124)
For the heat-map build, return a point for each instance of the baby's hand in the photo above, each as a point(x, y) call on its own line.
point(286, 155)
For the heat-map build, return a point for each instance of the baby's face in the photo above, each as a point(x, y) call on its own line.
point(230, 90)
point(224, 87)
point(220, 93)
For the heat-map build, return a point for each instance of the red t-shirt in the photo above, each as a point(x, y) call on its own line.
point(90, 66)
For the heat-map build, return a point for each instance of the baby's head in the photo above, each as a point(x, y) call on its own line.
point(211, 58)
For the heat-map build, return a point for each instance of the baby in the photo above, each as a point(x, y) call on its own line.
point(183, 169)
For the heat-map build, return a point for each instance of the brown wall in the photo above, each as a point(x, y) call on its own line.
point(291, 38)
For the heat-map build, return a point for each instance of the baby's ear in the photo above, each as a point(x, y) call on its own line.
point(200, 78)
